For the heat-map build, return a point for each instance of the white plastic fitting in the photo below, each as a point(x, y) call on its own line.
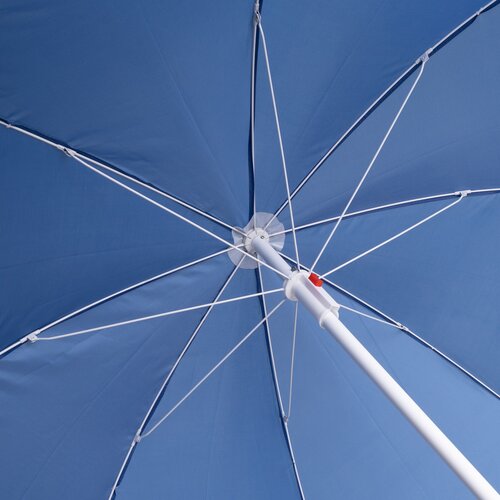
point(319, 302)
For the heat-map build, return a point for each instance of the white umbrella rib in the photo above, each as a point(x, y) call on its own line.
point(209, 373)
point(280, 138)
point(411, 333)
point(116, 171)
point(252, 114)
point(170, 211)
point(424, 59)
point(396, 204)
point(403, 328)
point(381, 97)
point(284, 417)
point(108, 297)
point(155, 316)
point(167, 379)
point(396, 236)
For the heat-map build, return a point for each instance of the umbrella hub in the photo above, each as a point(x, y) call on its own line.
point(262, 225)
point(254, 233)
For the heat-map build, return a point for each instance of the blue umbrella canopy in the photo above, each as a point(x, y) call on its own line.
point(140, 140)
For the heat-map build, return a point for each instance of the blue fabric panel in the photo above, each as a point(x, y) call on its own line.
point(331, 60)
point(159, 89)
point(70, 237)
point(72, 406)
point(226, 440)
point(350, 442)
point(446, 139)
point(195, 89)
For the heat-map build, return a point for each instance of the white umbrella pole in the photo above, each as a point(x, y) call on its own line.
point(323, 307)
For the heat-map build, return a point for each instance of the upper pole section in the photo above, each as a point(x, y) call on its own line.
point(307, 290)
point(263, 248)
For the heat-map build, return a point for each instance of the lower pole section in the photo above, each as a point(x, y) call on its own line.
point(427, 428)
point(324, 308)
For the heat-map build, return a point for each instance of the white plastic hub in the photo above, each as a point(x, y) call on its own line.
point(261, 224)
point(254, 233)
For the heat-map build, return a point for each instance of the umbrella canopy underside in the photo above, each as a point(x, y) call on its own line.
point(126, 168)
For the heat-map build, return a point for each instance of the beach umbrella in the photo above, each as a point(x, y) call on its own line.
point(249, 251)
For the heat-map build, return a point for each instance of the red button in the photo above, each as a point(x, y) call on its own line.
point(314, 279)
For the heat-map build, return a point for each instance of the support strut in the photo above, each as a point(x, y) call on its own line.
point(299, 287)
